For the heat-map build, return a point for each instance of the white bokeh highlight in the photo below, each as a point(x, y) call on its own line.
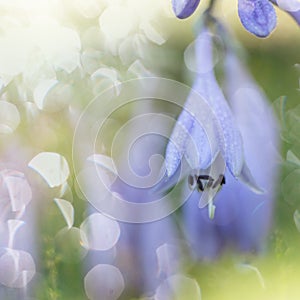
point(53, 167)
point(9, 117)
point(99, 232)
point(17, 268)
point(104, 282)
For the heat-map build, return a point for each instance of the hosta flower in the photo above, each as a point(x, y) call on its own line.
point(242, 219)
point(257, 16)
point(207, 127)
point(234, 132)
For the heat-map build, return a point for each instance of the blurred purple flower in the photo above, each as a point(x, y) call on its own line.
point(146, 253)
point(184, 8)
point(242, 218)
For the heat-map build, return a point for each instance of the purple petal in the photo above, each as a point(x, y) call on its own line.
point(230, 141)
point(290, 5)
point(184, 8)
point(257, 16)
point(194, 136)
point(296, 16)
point(259, 130)
point(178, 140)
point(205, 119)
point(295, 13)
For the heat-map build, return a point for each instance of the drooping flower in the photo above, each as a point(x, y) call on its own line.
point(240, 127)
point(207, 127)
point(242, 218)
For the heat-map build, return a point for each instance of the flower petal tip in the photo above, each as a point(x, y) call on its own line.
point(184, 8)
point(247, 178)
point(257, 16)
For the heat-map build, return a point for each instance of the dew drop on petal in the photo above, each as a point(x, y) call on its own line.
point(67, 211)
point(9, 117)
point(104, 282)
point(178, 287)
point(19, 191)
point(53, 167)
point(100, 232)
point(17, 268)
point(69, 246)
